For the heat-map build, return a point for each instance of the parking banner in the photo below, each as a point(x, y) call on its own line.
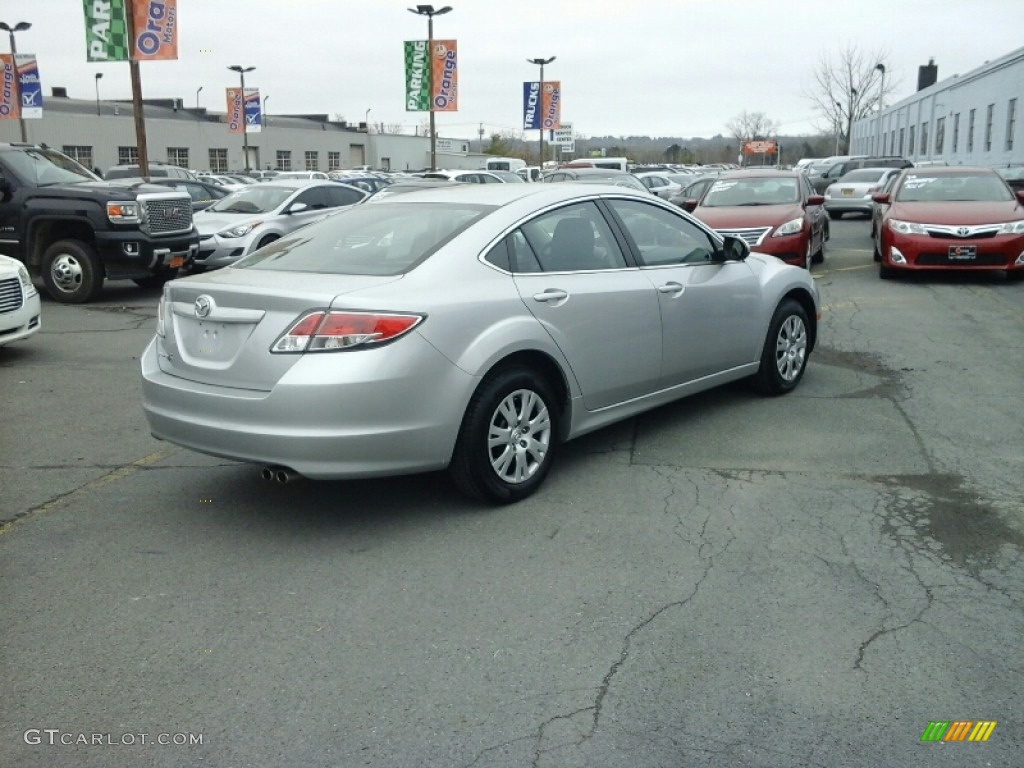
point(106, 30)
point(155, 26)
point(236, 111)
point(417, 77)
point(29, 85)
point(444, 76)
point(253, 116)
point(531, 105)
point(9, 107)
point(552, 105)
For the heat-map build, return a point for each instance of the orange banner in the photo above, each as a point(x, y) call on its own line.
point(444, 76)
point(9, 106)
point(155, 30)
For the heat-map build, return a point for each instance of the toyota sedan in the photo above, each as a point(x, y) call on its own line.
point(467, 327)
point(950, 218)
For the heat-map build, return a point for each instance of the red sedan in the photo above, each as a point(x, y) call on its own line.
point(775, 212)
point(950, 218)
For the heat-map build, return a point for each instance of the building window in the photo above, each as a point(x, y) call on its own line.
point(924, 139)
point(218, 160)
point(970, 131)
point(312, 160)
point(284, 160)
point(178, 156)
point(1011, 123)
point(956, 131)
point(333, 161)
point(940, 134)
point(901, 141)
point(127, 155)
point(910, 142)
point(80, 154)
point(989, 114)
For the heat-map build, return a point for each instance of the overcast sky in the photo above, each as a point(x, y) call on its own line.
point(627, 67)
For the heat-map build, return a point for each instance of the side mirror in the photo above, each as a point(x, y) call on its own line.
point(734, 249)
point(883, 197)
point(297, 207)
point(689, 205)
point(815, 200)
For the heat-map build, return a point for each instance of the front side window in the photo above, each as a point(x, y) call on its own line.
point(661, 237)
point(572, 239)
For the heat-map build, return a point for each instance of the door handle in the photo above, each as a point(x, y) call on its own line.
point(673, 287)
point(551, 294)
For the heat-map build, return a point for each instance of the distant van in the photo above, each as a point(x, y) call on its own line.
point(512, 164)
point(613, 163)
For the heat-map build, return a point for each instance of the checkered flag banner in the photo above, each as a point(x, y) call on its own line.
point(106, 30)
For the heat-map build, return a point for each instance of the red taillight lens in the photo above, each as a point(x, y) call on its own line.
point(334, 331)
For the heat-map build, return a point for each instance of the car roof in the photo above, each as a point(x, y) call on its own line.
point(296, 183)
point(770, 173)
point(501, 194)
point(948, 170)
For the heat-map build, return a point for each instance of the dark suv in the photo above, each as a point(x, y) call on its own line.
point(155, 169)
point(837, 171)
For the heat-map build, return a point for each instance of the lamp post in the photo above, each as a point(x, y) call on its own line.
point(881, 106)
point(21, 26)
point(245, 125)
point(266, 122)
point(98, 76)
point(430, 12)
point(542, 62)
point(198, 90)
point(839, 125)
point(849, 122)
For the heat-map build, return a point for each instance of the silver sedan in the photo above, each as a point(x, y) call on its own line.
point(472, 328)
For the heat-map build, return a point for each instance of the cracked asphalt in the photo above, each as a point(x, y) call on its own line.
point(727, 581)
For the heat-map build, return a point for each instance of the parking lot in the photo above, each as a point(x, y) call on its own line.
point(727, 581)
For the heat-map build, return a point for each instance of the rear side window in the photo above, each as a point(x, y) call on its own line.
point(384, 239)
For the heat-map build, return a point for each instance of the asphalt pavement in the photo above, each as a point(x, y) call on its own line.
point(808, 580)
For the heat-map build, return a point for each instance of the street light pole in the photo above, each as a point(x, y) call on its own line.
point(245, 123)
point(21, 26)
point(98, 76)
point(542, 62)
point(881, 106)
point(839, 124)
point(430, 13)
point(198, 90)
point(266, 121)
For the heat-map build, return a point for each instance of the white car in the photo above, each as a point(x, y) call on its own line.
point(19, 302)
point(474, 177)
point(659, 183)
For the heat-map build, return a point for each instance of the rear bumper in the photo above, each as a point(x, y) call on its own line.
point(367, 417)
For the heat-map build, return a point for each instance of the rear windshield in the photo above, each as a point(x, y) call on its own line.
point(949, 188)
point(385, 239)
point(865, 175)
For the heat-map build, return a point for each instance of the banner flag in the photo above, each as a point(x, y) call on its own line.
point(106, 31)
point(444, 76)
point(552, 104)
point(417, 77)
point(531, 105)
point(155, 25)
point(235, 117)
point(9, 107)
point(253, 115)
point(30, 86)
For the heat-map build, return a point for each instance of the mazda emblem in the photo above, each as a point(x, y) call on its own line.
point(204, 305)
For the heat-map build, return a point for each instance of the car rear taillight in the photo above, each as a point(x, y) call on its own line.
point(322, 331)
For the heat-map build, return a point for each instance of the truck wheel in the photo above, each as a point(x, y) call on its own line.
point(71, 272)
point(157, 279)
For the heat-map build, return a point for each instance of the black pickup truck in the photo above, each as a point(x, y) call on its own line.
point(72, 229)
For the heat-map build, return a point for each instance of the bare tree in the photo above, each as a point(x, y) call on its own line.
point(749, 126)
point(849, 86)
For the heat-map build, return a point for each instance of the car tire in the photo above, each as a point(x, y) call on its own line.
point(808, 254)
point(835, 215)
point(1015, 275)
point(876, 254)
point(266, 241)
point(819, 256)
point(488, 472)
point(157, 279)
point(786, 348)
point(884, 272)
point(71, 271)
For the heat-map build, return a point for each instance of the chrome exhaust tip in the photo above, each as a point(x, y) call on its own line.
point(267, 473)
point(284, 475)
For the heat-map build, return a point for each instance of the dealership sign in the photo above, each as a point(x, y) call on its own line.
point(542, 105)
point(431, 76)
point(759, 147)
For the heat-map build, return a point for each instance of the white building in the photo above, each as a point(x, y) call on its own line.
point(966, 119)
point(100, 134)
